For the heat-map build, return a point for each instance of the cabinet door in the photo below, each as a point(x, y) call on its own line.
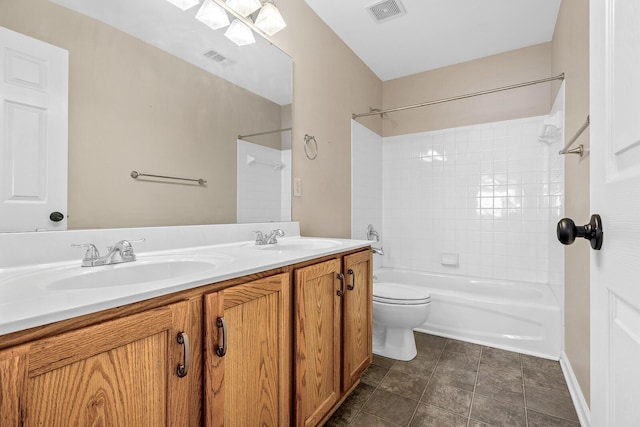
point(13, 377)
point(251, 382)
point(118, 373)
point(357, 317)
point(317, 341)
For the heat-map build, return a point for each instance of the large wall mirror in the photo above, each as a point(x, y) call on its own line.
point(153, 90)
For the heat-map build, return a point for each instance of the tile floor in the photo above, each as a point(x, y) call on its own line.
point(453, 383)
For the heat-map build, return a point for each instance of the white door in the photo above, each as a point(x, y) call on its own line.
point(615, 195)
point(33, 133)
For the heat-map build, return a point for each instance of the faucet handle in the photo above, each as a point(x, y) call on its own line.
point(92, 253)
point(127, 244)
point(260, 240)
point(126, 248)
point(372, 233)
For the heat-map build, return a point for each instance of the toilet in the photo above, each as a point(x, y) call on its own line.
point(397, 310)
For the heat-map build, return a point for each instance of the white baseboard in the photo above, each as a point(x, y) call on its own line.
point(584, 413)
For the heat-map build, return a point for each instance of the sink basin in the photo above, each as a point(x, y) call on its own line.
point(305, 244)
point(143, 271)
point(127, 274)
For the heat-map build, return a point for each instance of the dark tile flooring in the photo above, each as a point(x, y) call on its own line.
point(453, 383)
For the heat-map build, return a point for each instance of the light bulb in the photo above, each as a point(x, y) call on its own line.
point(269, 19)
point(212, 15)
point(239, 33)
point(184, 4)
point(244, 7)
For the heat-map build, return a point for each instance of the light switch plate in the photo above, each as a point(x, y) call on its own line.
point(297, 187)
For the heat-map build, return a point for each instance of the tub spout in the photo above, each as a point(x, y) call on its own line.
point(378, 251)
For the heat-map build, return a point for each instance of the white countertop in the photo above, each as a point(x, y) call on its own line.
point(28, 297)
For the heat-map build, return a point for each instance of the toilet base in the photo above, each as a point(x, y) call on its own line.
point(394, 343)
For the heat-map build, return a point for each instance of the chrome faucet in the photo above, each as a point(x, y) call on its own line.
point(121, 252)
point(371, 235)
point(270, 238)
point(273, 235)
point(378, 251)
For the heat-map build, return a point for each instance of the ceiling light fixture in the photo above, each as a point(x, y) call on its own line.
point(244, 7)
point(269, 19)
point(212, 15)
point(215, 14)
point(239, 33)
point(184, 4)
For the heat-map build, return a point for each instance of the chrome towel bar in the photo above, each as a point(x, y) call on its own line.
point(136, 174)
point(580, 148)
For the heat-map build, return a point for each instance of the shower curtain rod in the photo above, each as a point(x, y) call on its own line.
point(375, 112)
point(264, 133)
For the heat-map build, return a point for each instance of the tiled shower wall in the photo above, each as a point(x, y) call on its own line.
point(479, 194)
point(556, 204)
point(366, 183)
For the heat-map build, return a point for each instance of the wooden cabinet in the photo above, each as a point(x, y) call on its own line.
point(121, 367)
point(248, 354)
point(317, 340)
point(357, 318)
point(121, 372)
point(332, 323)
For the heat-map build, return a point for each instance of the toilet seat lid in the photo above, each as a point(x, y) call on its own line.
point(396, 293)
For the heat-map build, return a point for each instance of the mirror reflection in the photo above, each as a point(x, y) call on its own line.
point(154, 90)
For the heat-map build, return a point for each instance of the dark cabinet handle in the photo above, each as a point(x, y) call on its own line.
point(567, 231)
point(353, 280)
point(56, 216)
point(183, 369)
point(341, 290)
point(222, 350)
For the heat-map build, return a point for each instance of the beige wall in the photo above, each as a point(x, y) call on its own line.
point(135, 107)
point(570, 54)
point(522, 65)
point(329, 84)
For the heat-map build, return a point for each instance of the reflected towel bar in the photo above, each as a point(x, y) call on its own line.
point(136, 174)
point(275, 164)
point(269, 132)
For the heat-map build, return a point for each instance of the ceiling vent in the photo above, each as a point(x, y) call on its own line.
point(386, 10)
point(215, 56)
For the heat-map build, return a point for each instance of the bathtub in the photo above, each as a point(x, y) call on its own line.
point(517, 316)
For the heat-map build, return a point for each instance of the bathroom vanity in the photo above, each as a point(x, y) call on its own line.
point(274, 335)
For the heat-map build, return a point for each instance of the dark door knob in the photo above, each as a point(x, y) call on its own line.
point(56, 216)
point(567, 231)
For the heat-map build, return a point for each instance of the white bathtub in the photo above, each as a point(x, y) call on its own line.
point(517, 316)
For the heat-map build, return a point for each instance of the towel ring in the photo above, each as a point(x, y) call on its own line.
point(310, 150)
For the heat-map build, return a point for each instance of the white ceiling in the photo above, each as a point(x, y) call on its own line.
point(437, 33)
